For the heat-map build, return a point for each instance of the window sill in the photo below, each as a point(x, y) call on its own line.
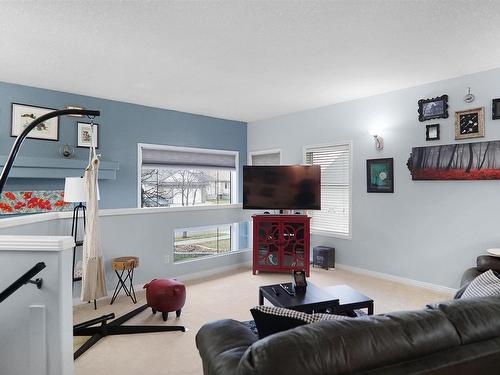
point(159, 210)
point(211, 257)
point(327, 233)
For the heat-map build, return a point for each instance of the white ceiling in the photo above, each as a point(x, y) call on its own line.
point(244, 60)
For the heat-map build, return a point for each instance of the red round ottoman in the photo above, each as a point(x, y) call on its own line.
point(165, 295)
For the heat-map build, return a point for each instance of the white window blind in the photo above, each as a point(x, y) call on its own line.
point(187, 159)
point(271, 158)
point(335, 213)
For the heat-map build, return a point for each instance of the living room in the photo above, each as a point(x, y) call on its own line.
point(258, 178)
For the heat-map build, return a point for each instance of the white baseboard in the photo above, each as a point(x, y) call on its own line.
point(397, 279)
point(186, 277)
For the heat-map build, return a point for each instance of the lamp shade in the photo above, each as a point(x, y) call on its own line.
point(74, 190)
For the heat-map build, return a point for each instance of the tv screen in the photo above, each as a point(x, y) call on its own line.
point(290, 187)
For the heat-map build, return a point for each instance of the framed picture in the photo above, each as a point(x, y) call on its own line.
point(23, 115)
point(457, 161)
point(429, 109)
point(432, 132)
point(495, 105)
point(87, 137)
point(380, 175)
point(469, 123)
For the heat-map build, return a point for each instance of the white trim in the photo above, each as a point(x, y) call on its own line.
point(351, 163)
point(36, 243)
point(163, 210)
point(140, 146)
point(9, 222)
point(397, 279)
point(263, 152)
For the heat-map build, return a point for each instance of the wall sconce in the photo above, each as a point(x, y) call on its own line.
point(379, 141)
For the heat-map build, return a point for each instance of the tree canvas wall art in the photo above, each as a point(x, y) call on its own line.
point(464, 161)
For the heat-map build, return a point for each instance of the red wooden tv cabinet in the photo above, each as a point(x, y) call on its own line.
point(281, 243)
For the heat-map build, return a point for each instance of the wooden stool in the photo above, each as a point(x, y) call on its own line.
point(125, 264)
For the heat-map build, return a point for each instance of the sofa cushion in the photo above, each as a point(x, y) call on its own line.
point(486, 284)
point(270, 320)
point(350, 345)
point(475, 319)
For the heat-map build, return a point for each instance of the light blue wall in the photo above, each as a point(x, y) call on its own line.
point(122, 126)
point(427, 230)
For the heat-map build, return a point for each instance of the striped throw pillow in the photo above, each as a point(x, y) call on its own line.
point(484, 285)
point(270, 320)
point(305, 317)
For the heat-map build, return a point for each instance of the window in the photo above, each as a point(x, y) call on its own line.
point(201, 242)
point(175, 176)
point(269, 157)
point(335, 215)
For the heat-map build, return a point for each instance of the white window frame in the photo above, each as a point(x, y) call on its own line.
point(263, 152)
point(150, 146)
point(328, 233)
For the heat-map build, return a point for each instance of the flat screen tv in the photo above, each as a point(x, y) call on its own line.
point(290, 187)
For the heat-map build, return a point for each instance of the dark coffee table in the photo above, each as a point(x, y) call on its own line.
point(340, 299)
point(349, 299)
point(315, 299)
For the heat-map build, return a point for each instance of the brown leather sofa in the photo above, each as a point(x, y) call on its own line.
point(483, 264)
point(456, 337)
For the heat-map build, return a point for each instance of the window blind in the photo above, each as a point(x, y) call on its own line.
point(156, 158)
point(272, 158)
point(335, 163)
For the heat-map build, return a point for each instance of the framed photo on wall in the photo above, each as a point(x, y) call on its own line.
point(495, 105)
point(469, 123)
point(432, 132)
point(380, 175)
point(429, 109)
point(87, 136)
point(23, 115)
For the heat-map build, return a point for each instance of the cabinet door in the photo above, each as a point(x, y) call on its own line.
point(268, 237)
point(294, 245)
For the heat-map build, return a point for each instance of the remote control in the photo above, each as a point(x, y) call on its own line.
point(287, 290)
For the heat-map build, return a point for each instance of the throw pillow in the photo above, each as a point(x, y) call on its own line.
point(486, 284)
point(270, 319)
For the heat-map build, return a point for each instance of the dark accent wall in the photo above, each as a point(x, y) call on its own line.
point(122, 127)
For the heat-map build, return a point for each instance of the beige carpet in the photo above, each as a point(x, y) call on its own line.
point(228, 295)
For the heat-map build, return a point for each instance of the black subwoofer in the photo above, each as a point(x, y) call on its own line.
point(324, 257)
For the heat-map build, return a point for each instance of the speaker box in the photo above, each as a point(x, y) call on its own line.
point(324, 257)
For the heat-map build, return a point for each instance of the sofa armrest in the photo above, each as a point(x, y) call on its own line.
point(488, 262)
point(221, 345)
point(467, 277)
